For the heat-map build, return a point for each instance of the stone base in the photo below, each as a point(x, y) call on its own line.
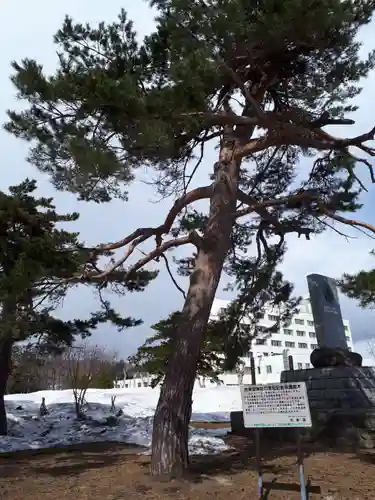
point(342, 404)
point(326, 356)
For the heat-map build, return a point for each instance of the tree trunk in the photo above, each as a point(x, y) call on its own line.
point(171, 421)
point(5, 369)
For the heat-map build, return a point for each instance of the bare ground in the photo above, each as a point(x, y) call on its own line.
point(109, 471)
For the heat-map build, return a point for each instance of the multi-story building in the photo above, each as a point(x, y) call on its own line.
point(271, 351)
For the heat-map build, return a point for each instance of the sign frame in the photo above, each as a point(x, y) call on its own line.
point(297, 408)
point(260, 405)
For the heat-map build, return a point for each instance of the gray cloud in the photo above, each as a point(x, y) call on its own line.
point(329, 254)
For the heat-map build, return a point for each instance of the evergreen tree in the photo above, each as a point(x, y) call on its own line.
point(39, 263)
point(153, 356)
point(360, 286)
point(26, 375)
point(259, 79)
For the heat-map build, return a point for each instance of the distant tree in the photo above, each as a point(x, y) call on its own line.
point(27, 371)
point(258, 80)
point(360, 286)
point(88, 367)
point(39, 264)
point(153, 356)
point(104, 379)
point(105, 375)
point(371, 350)
point(55, 370)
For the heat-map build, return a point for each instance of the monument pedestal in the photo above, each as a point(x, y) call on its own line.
point(323, 357)
point(342, 404)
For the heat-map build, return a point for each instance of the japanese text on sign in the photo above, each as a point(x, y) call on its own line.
point(276, 405)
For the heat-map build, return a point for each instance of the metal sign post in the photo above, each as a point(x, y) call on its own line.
point(276, 405)
point(259, 463)
point(301, 469)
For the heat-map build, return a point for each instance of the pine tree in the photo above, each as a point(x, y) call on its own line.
point(360, 286)
point(152, 357)
point(39, 263)
point(26, 375)
point(259, 79)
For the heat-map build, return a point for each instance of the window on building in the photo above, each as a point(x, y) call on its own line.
point(312, 335)
point(302, 345)
point(265, 354)
point(276, 343)
point(310, 323)
point(307, 365)
point(347, 338)
point(287, 331)
point(314, 346)
point(298, 321)
point(290, 344)
point(301, 333)
point(299, 366)
point(261, 341)
point(273, 317)
point(269, 369)
point(346, 328)
point(259, 315)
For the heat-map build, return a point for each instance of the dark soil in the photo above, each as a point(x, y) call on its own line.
point(110, 471)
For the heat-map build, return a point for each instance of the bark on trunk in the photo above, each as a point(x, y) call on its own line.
point(5, 369)
point(171, 421)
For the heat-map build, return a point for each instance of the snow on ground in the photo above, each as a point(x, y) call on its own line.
point(133, 424)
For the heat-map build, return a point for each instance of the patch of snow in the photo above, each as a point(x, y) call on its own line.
point(133, 424)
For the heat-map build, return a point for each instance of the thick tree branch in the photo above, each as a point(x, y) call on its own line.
point(260, 208)
point(254, 204)
point(291, 135)
point(142, 234)
point(197, 194)
point(349, 222)
point(220, 118)
point(258, 112)
point(192, 238)
point(269, 119)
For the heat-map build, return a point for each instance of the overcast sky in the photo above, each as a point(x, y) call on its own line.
point(26, 31)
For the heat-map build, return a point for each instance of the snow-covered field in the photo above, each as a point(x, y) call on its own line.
point(133, 424)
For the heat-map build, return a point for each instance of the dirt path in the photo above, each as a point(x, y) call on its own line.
point(115, 472)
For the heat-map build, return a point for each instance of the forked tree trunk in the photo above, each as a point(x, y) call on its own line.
point(171, 421)
point(5, 369)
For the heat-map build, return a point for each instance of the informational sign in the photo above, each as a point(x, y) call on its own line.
point(276, 405)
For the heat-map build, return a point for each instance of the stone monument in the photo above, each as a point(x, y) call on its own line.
point(329, 327)
point(341, 392)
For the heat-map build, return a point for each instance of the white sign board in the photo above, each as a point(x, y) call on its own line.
point(276, 405)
